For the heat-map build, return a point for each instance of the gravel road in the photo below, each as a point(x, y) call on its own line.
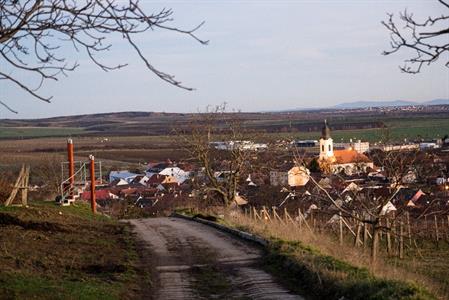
point(194, 261)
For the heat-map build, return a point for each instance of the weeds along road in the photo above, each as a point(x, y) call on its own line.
point(194, 261)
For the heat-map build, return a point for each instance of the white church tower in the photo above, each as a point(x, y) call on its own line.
point(326, 143)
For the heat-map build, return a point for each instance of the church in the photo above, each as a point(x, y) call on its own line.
point(348, 161)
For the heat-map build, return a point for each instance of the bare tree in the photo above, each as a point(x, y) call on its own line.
point(428, 39)
point(36, 34)
point(214, 140)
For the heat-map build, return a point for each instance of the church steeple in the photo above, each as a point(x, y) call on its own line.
point(326, 131)
point(326, 143)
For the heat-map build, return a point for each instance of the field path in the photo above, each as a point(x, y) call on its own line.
point(195, 261)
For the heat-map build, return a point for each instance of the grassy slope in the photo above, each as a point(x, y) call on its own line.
point(320, 276)
point(52, 252)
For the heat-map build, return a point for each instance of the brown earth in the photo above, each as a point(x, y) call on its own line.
point(194, 261)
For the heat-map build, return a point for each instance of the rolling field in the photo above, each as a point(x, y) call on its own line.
point(147, 130)
point(36, 132)
point(399, 129)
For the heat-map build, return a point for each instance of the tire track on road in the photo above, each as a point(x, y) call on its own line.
point(195, 261)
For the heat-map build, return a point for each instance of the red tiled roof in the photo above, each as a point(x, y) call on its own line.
point(99, 195)
point(349, 156)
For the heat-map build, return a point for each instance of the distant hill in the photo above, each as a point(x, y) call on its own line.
point(365, 104)
point(438, 102)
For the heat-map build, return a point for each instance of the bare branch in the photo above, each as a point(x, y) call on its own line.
point(416, 37)
point(35, 36)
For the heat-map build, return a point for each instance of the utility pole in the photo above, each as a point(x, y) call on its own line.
point(93, 202)
point(70, 158)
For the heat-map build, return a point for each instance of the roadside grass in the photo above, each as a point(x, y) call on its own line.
point(431, 260)
point(317, 266)
point(306, 270)
point(53, 252)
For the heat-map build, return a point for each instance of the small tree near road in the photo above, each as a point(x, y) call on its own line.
point(222, 167)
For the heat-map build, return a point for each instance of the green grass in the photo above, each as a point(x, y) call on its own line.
point(399, 130)
point(36, 132)
point(430, 259)
point(307, 271)
point(53, 252)
point(18, 286)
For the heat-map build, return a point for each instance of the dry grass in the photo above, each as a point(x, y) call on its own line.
point(328, 244)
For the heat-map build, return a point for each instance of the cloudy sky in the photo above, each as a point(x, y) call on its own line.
point(262, 55)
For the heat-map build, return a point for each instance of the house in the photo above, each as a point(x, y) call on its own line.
point(118, 182)
point(360, 147)
point(293, 177)
point(177, 173)
point(241, 145)
point(348, 161)
point(401, 147)
point(158, 167)
point(221, 175)
point(278, 178)
point(140, 179)
point(428, 145)
point(125, 175)
point(410, 177)
point(155, 180)
point(298, 176)
point(103, 194)
point(305, 143)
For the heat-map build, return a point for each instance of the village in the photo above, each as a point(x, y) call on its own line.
point(259, 150)
point(298, 173)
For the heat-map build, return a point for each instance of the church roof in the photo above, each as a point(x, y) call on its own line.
point(326, 131)
point(349, 156)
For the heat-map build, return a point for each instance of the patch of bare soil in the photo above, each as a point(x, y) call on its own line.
point(194, 261)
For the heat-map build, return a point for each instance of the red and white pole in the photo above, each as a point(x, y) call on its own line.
point(71, 160)
point(93, 202)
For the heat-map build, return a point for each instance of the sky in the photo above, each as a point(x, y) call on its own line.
point(262, 55)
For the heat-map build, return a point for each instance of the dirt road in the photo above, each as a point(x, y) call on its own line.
point(195, 261)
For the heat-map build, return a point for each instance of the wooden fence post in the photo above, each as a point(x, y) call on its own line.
point(357, 236)
point(365, 235)
point(340, 219)
point(21, 185)
point(395, 238)
point(266, 214)
point(387, 222)
point(437, 237)
point(381, 231)
point(276, 216)
point(444, 231)
point(285, 214)
point(401, 240)
point(409, 231)
point(256, 214)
